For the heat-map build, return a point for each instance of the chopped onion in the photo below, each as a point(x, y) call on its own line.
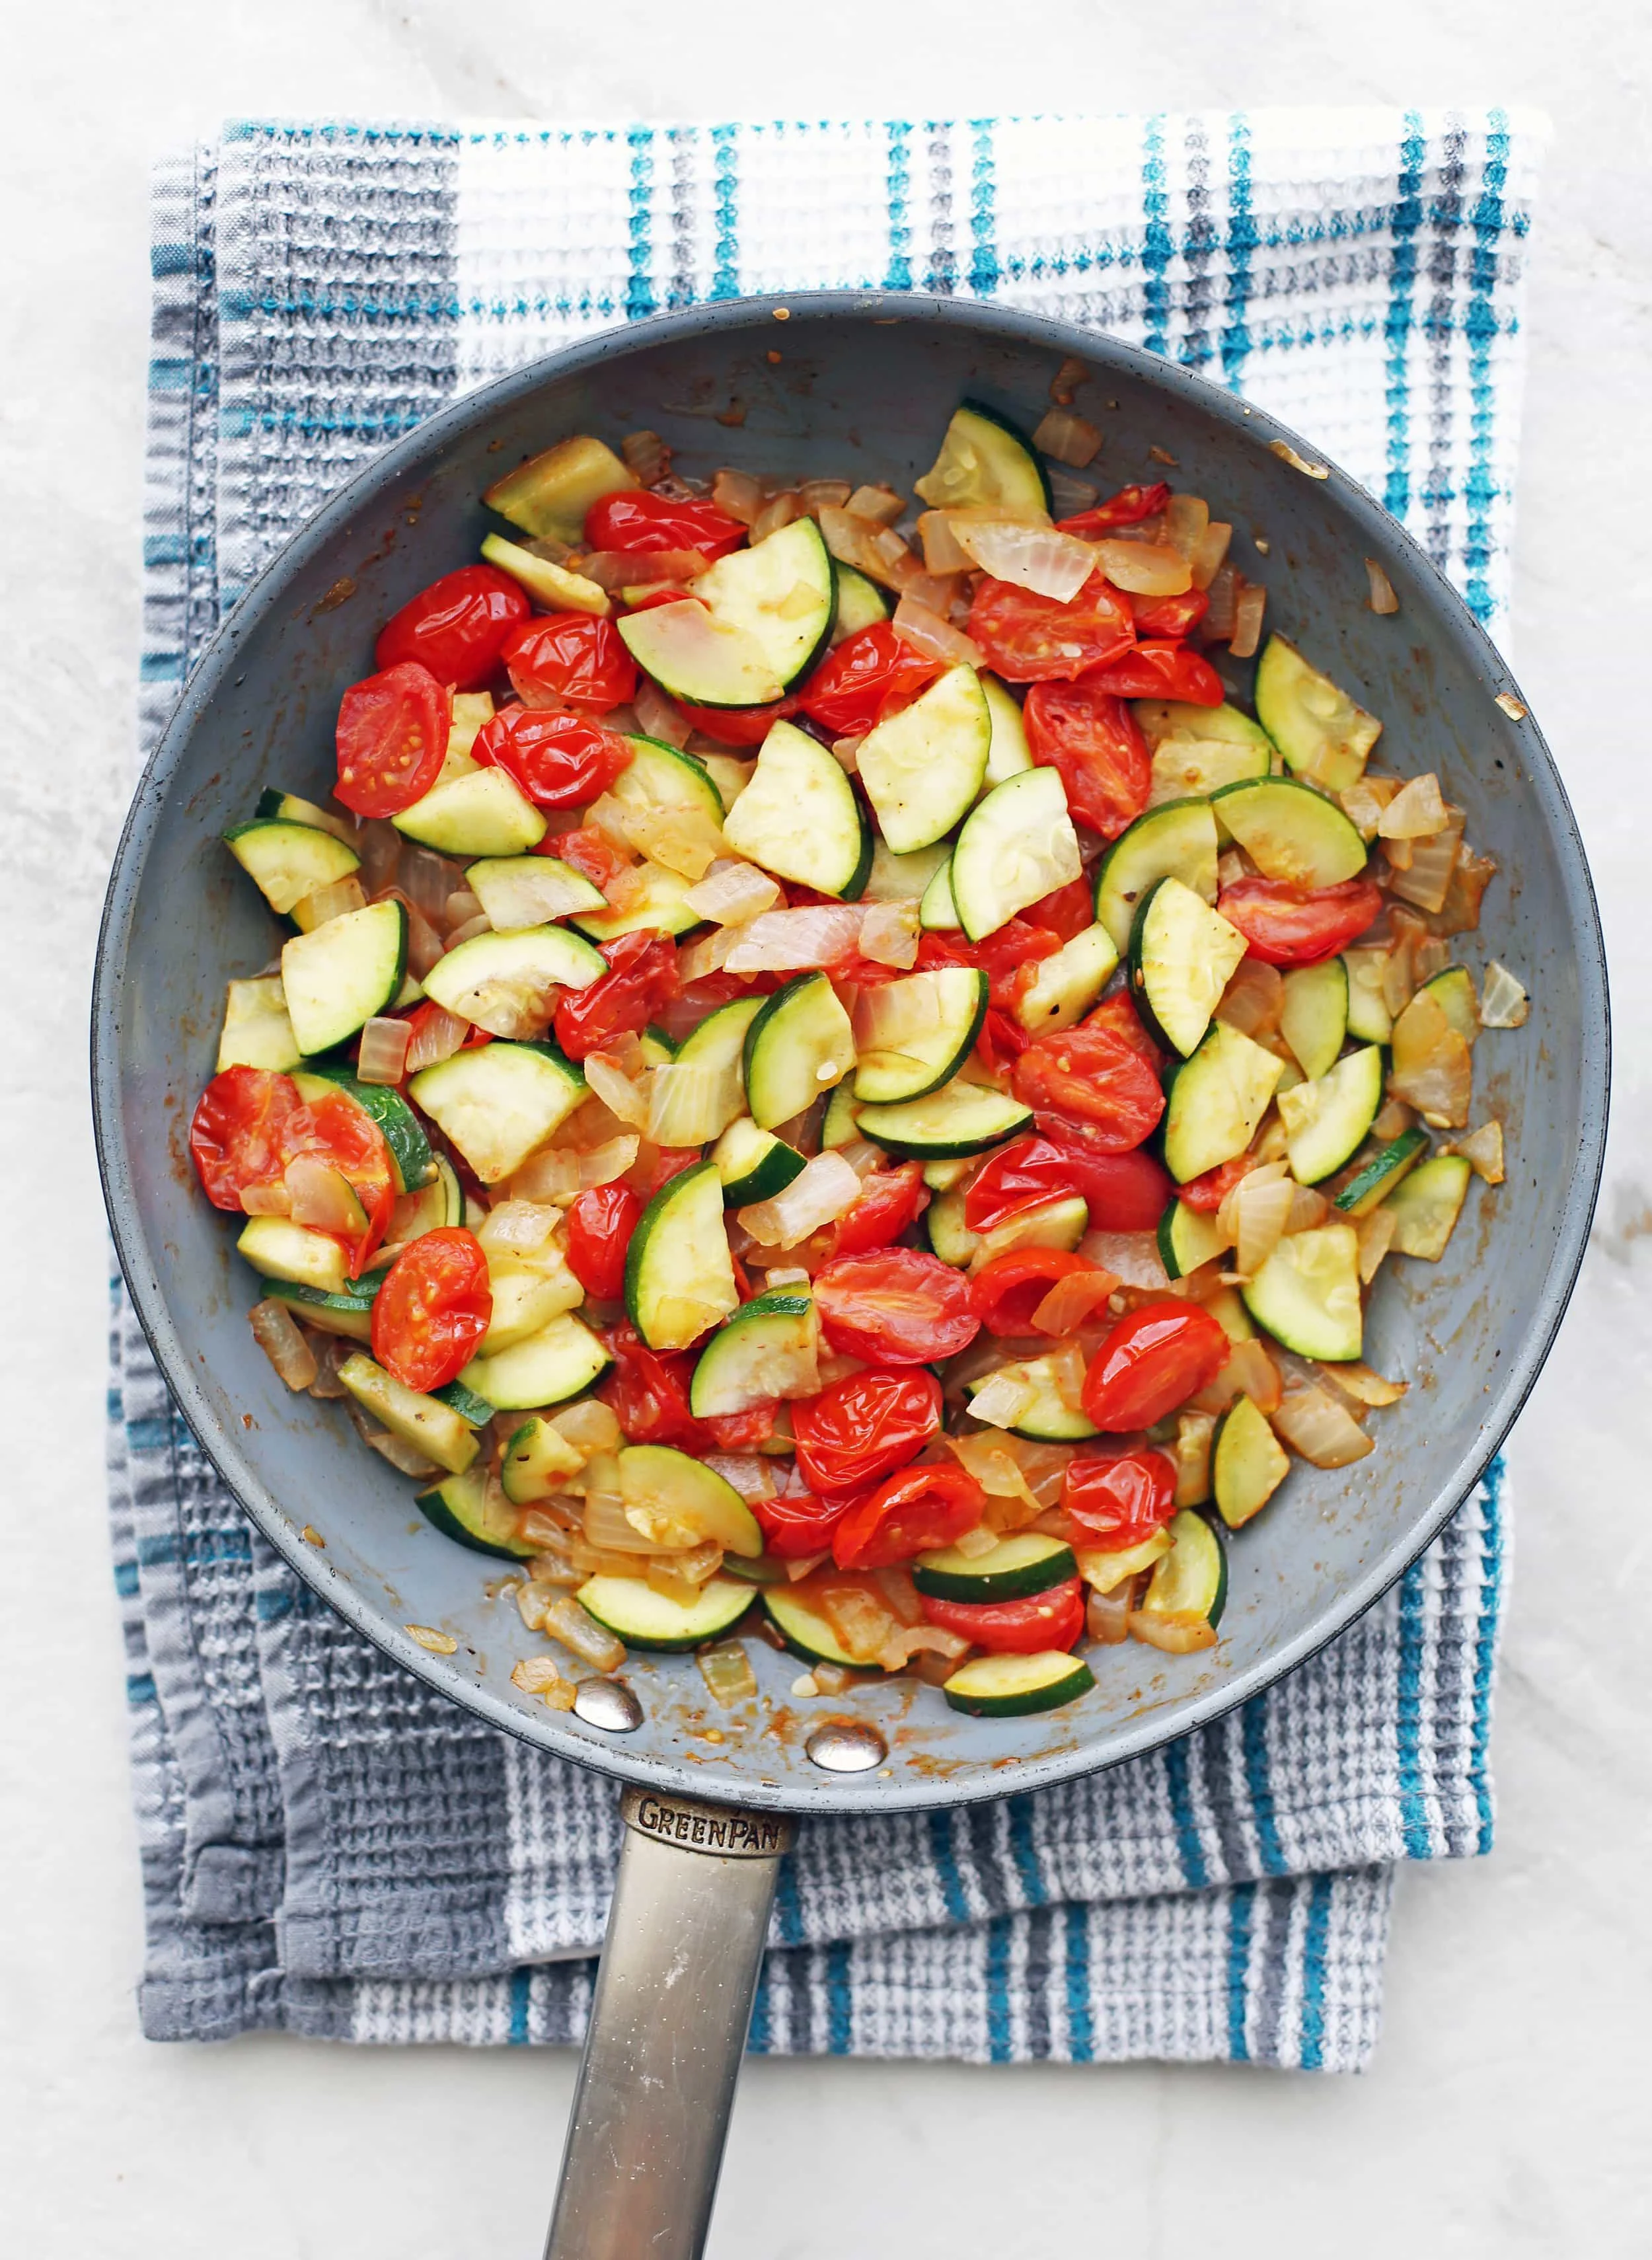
point(1376, 1234)
point(1210, 555)
point(1028, 555)
point(889, 934)
point(748, 1472)
point(383, 1058)
point(1309, 1209)
point(658, 717)
point(738, 495)
point(552, 1174)
point(705, 956)
point(942, 551)
point(1064, 1367)
point(468, 932)
point(1254, 1000)
point(1223, 593)
point(1432, 1067)
point(1427, 879)
point(1266, 1217)
point(1001, 1401)
point(1417, 811)
point(1072, 1301)
point(607, 1527)
point(727, 1672)
point(991, 1461)
point(1382, 597)
point(694, 1102)
point(577, 1629)
point(1192, 1453)
point(379, 845)
point(323, 1197)
point(1174, 1634)
point(327, 903)
point(732, 892)
point(461, 907)
point(780, 510)
point(1431, 957)
point(330, 1351)
point(877, 505)
point(607, 1163)
point(537, 1675)
point(1070, 497)
point(942, 592)
point(823, 1191)
point(1133, 1257)
point(1504, 1003)
point(899, 1649)
point(1186, 517)
point(405, 1458)
point(520, 1228)
point(1143, 568)
point(937, 639)
point(1459, 913)
point(271, 1199)
point(1250, 1372)
point(647, 455)
point(426, 880)
point(1365, 1387)
point(1107, 1616)
point(1067, 380)
point(1482, 1150)
point(278, 1335)
point(1070, 439)
point(781, 941)
point(424, 945)
point(1250, 602)
point(858, 1618)
point(1325, 1432)
point(617, 1090)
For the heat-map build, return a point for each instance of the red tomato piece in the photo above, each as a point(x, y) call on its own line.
point(1066, 912)
point(391, 736)
point(642, 978)
point(1029, 639)
point(600, 1223)
point(1162, 671)
point(908, 1514)
point(1005, 1292)
point(1207, 1192)
point(1052, 1619)
point(1128, 507)
point(337, 1131)
point(433, 1310)
point(1118, 1016)
point(560, 761)
point(569, 659)
point(1285, 925)
point(650, 524)
point(866, 675)
point(895, 1307)
point(890, 1199)
point(649, 1395)
point(861, 1428)
point(1095, 743)
point(456, 628)
point(1169, 616)
point(235, 1134)
point(1153, 1361)
point(591, 852)
point(1023, 1174)
point(1094, 1077)
point(736, 726)
point(1126, 1192)
point(1118, 1500)
point(1000, 1043)
point(798, 1524)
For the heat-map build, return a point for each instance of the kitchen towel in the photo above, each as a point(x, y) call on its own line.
point(326, 1846)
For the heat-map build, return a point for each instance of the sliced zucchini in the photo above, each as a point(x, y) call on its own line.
point(548, 1368)
point(349, 1313)
point(937, 909)
point(691, 654)
point(1248, 1463)
point(1382, 1173)
point(537, 1461)
point(1065, 986)
point(291, 808)
point(550, 585)
point(481, 814)
point(1369, 1020)
point(796, 1614)
point(257, 1032)
point(658, 1050)
point(915, 1033)
point(1015, 1686)
point(412, 1163)
point(924, 767)
point(1230, 1315)
point(701, 1089)
point(861, 603)
point(960, 1118)
point(634, 1613)
point(842, 1118)
point(729, 773)
point(1453, 990)
point(474, 1411)
point(661, 781)
point(289, 861)
point(526, 1300)
point(500, 1103)
point(1187, 1238)
point(280, 1249)
point(768, 1349)
point(941, 1176)
point(1060, 1223)
point(1191, 1579)
point(1048, 1418)
point(1291, 832)
point(904, 878)
point(1176, 840)
point(753, 1164)
point(985, 463)
point(679, 1275)
point(760, 619)
point(428, 1425)
point(659, 907)
point(337, 978)
point(1165, 718)
point(1308, 1293)
point(548, 496)
point(1009, 753)
point(1016, 846)
point(1314, 1018)
point(1321, 733)
point(471, 710)
point(1328, 1120)
point(1426, 1206)
point(800, 817)
point(520, 891)
point(1182, 954)
point(1025, 1562)
point(673, 1501)
point(1216, 1102)
point(798, 1045)
point(1196, 769)
point(466, 1509)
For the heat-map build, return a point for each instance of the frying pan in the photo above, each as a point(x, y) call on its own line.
point(862, 388)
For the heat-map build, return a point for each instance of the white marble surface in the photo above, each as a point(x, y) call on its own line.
point(1506, 2113)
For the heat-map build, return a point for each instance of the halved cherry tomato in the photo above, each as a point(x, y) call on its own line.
point(337, 1131)
point(591, 853)
point(641, 978)
point(1162, 671)
point(570, 658)
point(797, 1524)
point(433, 1310)
point(235, 1134)
point(736, 726)
point(600, 1223)
point(649, 1395)
point(890, 1199)
point(1153, 1361)
point(1025, 1174)
point(1208, 1191)
point(909, 1514)
point(868, 672)
point(1285, 925)
point(894, 1306)
point(1119, 1498)
point(1095, 1077)
point(1169, 616)
point(1070, 911)
point(861, 1428)
point(1126, 1192)
point(1095, 743)
point(1005, 1292)
point(560, 761)
point(1052, 1619)
point(1014, 950)
point(456, 628)
point(1000, 1043)
point(1119, 1017)
point(1029, 639)
point(649, 524)
point(1128, 507)
point(391, 735)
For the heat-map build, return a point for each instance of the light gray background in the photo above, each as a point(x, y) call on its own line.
point(1506, 2114)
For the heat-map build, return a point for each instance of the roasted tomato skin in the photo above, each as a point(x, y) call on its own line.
point(456, 628)
point(434, 1309)
point(861, 1428)
point(1052, 1619)
point(1094, 1077)
point(895, 1307)
point(1117, 1500)
point(908, 1514)
point(1284, 924)
point(1153, 1361)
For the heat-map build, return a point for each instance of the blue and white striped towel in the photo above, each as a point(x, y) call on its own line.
point(326, 1846)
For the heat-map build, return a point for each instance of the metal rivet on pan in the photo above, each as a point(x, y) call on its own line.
point(608, 1704)
point(847, 1746)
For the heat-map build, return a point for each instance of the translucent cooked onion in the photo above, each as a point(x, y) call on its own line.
point(577, 1629)
point(783, 941)
point(1417, 810)
point(271, 1199)
point(1427, 879)
point(1227, 1214)
point(732, 892)
point(383, 1058)
point(707, 955)
point(727, 1672)
point(1432, 1067)
point(588, 1426)
point(1365, 1387)
point(647, 455)
point(751, 1475)
point(942, 551)
point(1459, 913)
point(622, 1096)
point(1133, 1257)
point(424, 945)
point(1144, 569)
point(1186, 517)
point(1250, 1372)
point(623, 568)
point(322, 1197)
point(889, 934)
point(899, 1649)
point(1223, 594)
point(694, 1102)
point(824, 1190)
point(833, 494)
point(1107, 1616)
point(1250, 603)
point(992, 1462)
point(738, 495)
point(1193, 1454)
point(405, 1458)
point(278, 1336)
point(1504, 1003)
point(1382, 597)
point(606, 1164)
point(425, 880)
point(1363, 802)
point(877, 505)
point(605, 1525)
point(1254, 1000)
point(459, 910)
point(1070, 496)
point(1173, 1635)
point(1482, 1150)
point(1210, 555)
point(520, 1228)
point(1323, 1432)
point(859, 1618)
point(1064, 1366)
point(1309, 1210)
point(437, 1036)
point(1072, 1301)
point(658, 717)
point(1027, 554)
point(1376, 1236)
point(940, 592)
point(327, 903)
point(780, 510)
point(937, 639)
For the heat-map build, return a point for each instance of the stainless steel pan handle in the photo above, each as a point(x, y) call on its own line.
point(667, 2026)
